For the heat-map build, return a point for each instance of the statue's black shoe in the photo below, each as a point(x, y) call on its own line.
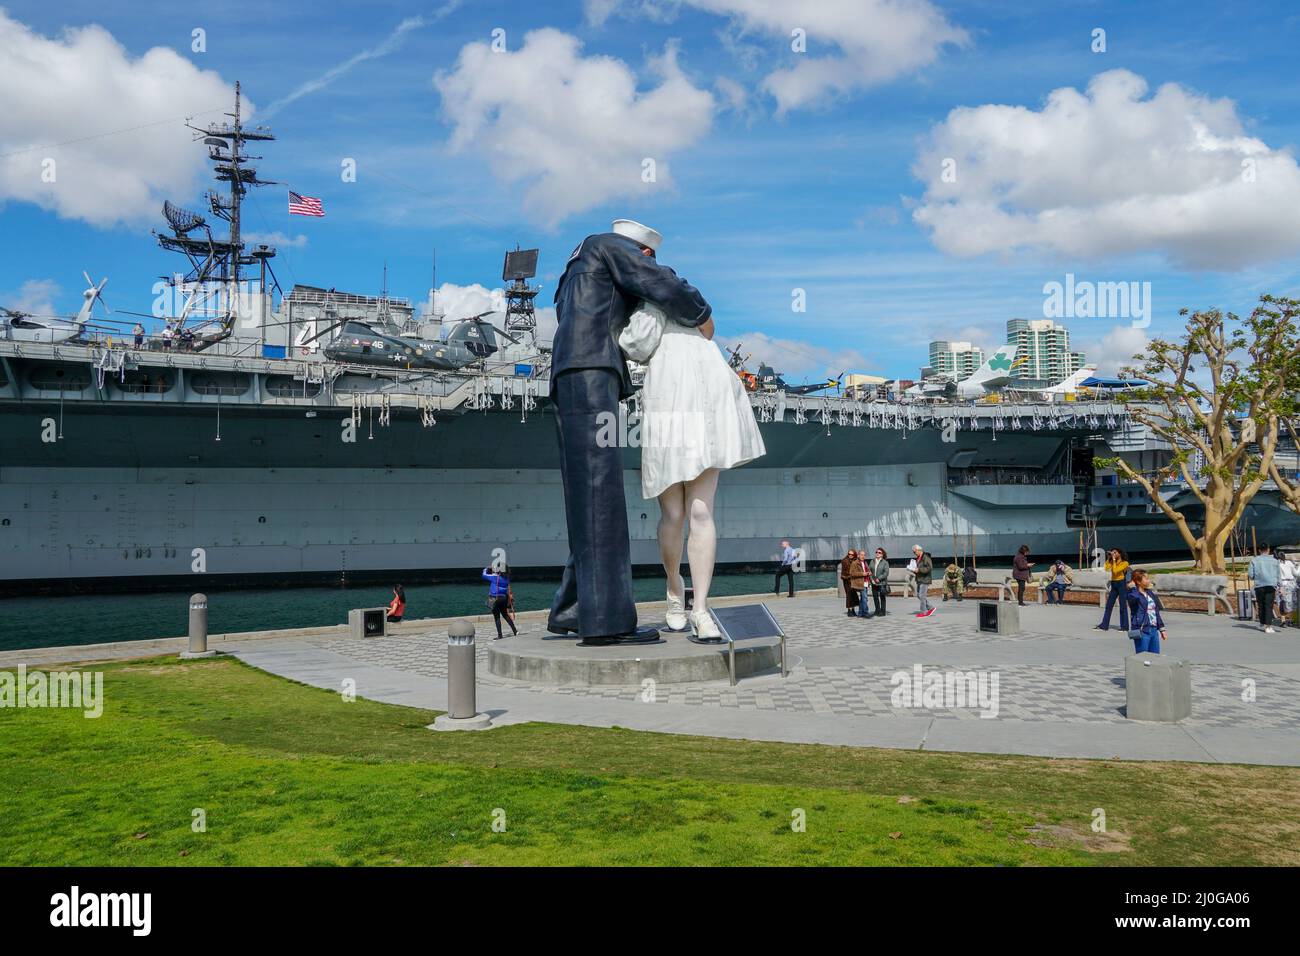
point(645, 634)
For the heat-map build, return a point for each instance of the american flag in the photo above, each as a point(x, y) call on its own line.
point(304, 205)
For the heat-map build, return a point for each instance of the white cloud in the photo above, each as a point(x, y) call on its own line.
point(734, 96)
point(660, 11)
point(885, 215)
point(35, 297)
point(1115, 349)
point(277, 239)
point(463, 301)
point(1110, 171)
point(574, 129)
point(796, 360)
point(84, 84)
point(391, 43)
point(982, 337)
point(598, 11)
point(850, 44)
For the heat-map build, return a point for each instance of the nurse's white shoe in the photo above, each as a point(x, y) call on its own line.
point(675, 616)
point(703, 628)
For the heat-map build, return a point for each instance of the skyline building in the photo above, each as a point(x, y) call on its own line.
point(1043, 350)
point(957, 360)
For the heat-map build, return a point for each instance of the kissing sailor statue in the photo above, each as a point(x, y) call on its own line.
point(605, 280)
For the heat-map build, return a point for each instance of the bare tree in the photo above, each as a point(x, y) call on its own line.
point(1217, 396)
point(1288, 487)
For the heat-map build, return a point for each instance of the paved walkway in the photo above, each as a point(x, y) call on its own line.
point(1060, 685)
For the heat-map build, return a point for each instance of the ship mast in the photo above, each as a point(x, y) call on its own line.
point(226, 144)
point(236, 185)
point(214, 260)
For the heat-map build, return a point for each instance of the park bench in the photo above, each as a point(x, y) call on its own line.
point(999, 578)
point(1213, 588)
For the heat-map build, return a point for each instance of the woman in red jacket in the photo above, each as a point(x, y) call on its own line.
point(398, 606)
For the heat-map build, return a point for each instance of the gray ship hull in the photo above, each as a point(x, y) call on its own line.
point(147, 491)
point(165, 469)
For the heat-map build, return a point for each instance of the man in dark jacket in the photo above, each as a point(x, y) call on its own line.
point(604, 280)
point(924, 573)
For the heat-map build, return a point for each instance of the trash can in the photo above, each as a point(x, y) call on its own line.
point(368, 622)
point(999, 617)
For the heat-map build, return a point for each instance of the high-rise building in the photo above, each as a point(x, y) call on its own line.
point(1043, 350)
point(957, 360)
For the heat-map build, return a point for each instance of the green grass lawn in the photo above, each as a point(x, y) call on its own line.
point(288, 774)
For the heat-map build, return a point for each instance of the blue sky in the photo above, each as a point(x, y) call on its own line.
point(762, 188)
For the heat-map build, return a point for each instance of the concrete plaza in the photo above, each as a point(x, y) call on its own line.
point(1060, 683)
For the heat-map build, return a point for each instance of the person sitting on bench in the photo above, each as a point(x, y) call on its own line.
point(398, 606)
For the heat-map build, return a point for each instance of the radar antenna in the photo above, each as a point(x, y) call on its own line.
point(211, 289)
point(520, 266)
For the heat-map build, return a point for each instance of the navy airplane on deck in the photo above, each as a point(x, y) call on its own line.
point(768, 379)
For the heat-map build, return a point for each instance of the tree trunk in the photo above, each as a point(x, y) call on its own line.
point(1210, 547)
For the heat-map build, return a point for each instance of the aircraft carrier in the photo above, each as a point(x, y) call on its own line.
point(336, 436)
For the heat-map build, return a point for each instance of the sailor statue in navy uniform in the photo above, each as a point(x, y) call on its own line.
point(605, 280)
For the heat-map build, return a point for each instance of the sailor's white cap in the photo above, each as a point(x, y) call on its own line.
point(641, 233)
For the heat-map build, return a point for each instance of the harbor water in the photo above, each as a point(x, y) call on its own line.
point(27, 622)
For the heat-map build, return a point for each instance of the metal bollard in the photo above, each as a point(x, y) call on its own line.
point(462, 712)
point(461, 677)
point(198, 628)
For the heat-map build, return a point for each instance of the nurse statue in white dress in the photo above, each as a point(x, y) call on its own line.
point(696, 421)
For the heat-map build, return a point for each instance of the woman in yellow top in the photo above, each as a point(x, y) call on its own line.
point(1117, 565)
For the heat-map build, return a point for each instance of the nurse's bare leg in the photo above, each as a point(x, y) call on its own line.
point(672, 535)
point(702, 546)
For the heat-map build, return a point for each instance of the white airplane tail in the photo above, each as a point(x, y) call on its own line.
point(1073, 383)
point(995, 371)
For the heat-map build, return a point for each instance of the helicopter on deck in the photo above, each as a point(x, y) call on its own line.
point(19, 326)
point(360, 343)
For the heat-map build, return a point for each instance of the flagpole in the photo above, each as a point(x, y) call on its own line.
point(288, 333)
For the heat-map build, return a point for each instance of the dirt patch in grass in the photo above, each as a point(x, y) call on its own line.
point(1060, 835)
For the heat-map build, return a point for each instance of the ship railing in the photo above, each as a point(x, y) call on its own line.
point(209, 388)
point(140, 387)
point(1005, 478)
point(1101, 416)
point(299, 295)
point(228, 347)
